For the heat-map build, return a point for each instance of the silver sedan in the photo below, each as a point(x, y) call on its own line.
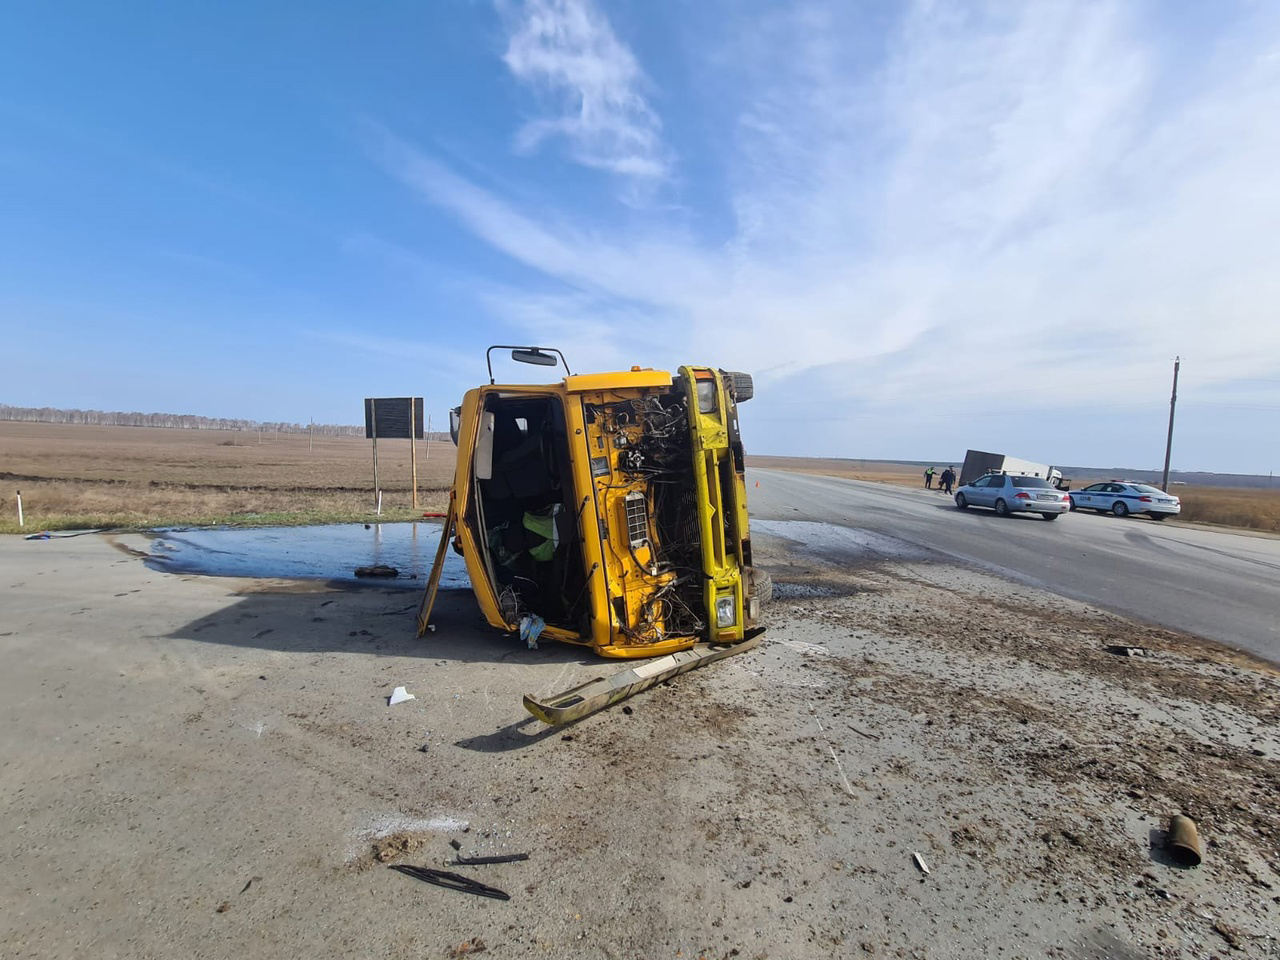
point(1006, 494)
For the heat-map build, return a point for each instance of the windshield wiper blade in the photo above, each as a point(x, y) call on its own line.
point(452, 881)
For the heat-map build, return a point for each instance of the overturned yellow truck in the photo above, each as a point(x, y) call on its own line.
point(607, 510)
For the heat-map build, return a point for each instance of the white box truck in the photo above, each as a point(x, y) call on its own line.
point(979, 462)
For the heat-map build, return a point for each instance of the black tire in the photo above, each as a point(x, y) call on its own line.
point(961, 502)
point(1050, 516)
point(1120, 509)
point(1157, 516)
point(741, 386)
point(1072, 501)
point(1002, 508)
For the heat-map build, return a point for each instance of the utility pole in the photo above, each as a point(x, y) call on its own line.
point(1168, 446)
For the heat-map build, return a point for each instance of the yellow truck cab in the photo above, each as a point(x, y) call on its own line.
point(608, 509)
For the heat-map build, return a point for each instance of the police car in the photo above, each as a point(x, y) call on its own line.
point(1123, 497)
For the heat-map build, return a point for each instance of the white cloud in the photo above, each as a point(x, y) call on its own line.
point(1013, 194)
point(591, 84)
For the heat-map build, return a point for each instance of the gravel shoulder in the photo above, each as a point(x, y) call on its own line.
point(208, 767)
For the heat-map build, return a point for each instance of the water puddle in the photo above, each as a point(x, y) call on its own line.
point(330, 552)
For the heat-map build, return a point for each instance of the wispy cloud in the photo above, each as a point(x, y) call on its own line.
point(590, 85)
point(1041, 193)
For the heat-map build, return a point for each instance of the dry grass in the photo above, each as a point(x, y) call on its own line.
point(74, 476)
point(1251, 509)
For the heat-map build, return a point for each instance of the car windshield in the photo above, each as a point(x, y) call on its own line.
point(1031, 482)
point(1147, 488)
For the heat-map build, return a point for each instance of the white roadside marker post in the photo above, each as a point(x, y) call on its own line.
point(20, 521)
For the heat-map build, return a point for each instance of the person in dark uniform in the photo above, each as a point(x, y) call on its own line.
point(948, 478)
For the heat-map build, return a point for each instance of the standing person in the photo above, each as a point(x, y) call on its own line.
point(948, 478)
point(928, 478)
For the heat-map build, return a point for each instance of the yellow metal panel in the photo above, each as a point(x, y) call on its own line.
point(464, 506)
point(721, 560)
point(631, 379)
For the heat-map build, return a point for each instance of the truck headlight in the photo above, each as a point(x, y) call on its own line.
point(725, 612)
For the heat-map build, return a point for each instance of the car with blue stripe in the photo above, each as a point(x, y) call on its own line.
point(1123, 497)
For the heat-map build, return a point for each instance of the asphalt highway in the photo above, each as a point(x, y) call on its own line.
point(1220, 585)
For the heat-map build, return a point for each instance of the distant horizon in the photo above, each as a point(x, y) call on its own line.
point(441, 433)
point(1117, 471)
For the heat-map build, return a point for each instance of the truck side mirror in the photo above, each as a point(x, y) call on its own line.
point(533, 355)
point(455, 423)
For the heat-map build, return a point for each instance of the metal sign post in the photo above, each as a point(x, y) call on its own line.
point(394, 418)
point(413, 455)
point(377, 491)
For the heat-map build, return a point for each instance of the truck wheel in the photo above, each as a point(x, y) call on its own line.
point(1119, 509)
point(741, 386)
point(762, 585)
point(1002, 508)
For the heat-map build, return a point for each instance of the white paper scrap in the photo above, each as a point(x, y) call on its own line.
point(399, 695)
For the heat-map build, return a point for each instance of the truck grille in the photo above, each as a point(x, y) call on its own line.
point(637, 518)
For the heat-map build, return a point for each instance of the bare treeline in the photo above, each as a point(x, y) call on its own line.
point(173, 421)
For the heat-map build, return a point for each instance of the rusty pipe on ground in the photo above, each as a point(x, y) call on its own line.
point(1184, 841)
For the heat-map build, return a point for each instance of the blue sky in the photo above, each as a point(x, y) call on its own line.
point(922, 226)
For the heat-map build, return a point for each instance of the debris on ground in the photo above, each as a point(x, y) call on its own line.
point(450, 881)
point(531, 628)
point(1184, 841)
point(395, 845)
point(468, 947)
point(920, 864)
point(378, 570)
point(1230, 934)
point(399, 695)
point(480, 861)
point(1125, 650)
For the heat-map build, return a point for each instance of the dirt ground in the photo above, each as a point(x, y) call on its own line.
point(206, 767)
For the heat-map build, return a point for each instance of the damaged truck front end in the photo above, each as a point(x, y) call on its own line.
point(609, 510)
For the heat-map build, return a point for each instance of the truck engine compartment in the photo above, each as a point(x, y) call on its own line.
point(641, 468)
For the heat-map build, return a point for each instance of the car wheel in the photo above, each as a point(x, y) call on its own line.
point(1049, 516)
point(1002, 508)
point(961, 502)
point(1072, 501)
point(1157, 516)
point(1119, 509)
